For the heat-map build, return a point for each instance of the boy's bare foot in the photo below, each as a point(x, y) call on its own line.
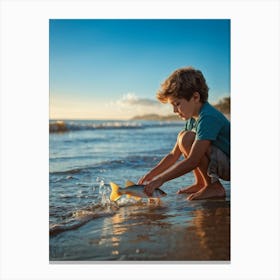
point(215, 190)
point(191, 189)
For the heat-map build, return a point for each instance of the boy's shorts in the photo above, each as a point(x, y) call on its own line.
point(219, 165)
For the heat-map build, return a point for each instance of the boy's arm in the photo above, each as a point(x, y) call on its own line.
point(163, 165)
point(199, 149)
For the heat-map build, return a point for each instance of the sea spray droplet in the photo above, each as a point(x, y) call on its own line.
point(104, 194)
point(100, 180)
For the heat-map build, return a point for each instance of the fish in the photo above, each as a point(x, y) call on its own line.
point(133, 190)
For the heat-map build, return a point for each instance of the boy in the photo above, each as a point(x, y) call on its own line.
point(205, 142)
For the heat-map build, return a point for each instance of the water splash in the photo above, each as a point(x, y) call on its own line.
point(102, 207)
point(104, 194)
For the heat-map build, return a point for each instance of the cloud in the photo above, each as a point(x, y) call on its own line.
point(132, 99)
point(130, 105)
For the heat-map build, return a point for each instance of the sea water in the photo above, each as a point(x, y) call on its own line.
point(84, 157)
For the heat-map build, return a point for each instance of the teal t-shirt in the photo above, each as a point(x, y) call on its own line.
point(211, 125)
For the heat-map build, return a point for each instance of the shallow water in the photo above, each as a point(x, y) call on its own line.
point(85, 225)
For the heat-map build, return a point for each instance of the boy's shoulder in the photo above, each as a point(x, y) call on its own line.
point(212, 124)
point(209, 117)
point(209, 111)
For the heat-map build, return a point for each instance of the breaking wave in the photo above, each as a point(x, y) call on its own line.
point(67, 126)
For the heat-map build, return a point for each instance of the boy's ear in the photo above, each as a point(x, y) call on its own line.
point(196, 96)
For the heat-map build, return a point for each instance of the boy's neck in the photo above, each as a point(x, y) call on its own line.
point(197, 110)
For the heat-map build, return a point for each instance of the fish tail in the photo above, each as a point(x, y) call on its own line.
point(115, 193)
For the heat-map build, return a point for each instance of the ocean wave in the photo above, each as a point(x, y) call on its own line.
point(103, 208)
point(128, 162)
point(63, 126)
point(78, 219)
point(69, 172)
point(67, 126)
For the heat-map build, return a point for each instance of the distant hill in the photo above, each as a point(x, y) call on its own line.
point(155, 117)
point(223, 105)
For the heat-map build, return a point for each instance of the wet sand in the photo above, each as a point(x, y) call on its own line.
point(194, 231)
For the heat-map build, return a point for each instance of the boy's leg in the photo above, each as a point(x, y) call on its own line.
point(219, 167)
point(185, 141)
point(204, 188)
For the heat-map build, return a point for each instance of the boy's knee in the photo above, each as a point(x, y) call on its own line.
point(185, 139)
point(180, 134)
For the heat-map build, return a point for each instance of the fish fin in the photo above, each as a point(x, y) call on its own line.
point(129, 184)
point(115, 194)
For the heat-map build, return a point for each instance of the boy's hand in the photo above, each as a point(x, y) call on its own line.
point(155, 184)
point(146, 178)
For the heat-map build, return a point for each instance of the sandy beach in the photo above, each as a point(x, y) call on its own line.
point(86, 226)
point(145, 232)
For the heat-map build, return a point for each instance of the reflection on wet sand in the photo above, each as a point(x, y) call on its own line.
point(181, 231)
point(113, 228)
point(146, 233)
point(130, 232)
point(207, 237)
point(212, 227)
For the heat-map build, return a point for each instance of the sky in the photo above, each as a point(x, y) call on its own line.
point(112, 69)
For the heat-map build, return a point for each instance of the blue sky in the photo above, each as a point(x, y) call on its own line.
point(112, 69)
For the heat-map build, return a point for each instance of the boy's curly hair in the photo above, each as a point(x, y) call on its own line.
point(182, 83)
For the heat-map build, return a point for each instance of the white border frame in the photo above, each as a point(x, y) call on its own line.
point(255, 138)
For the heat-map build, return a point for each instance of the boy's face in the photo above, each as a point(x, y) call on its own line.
point(185, 109)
